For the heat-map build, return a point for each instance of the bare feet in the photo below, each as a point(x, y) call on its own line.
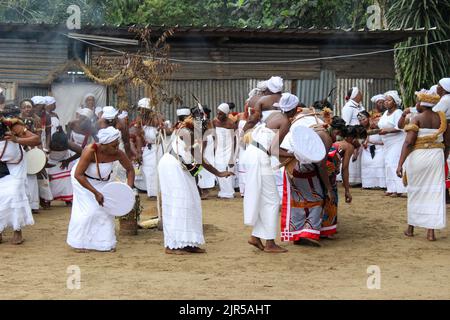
point(272, 247)
point(388, 194)
point(409, 232)
point(309, 242)
point(176, 251)
point(254, 241)
point(194, 250)
point(34, 211)
point(430, 235)
point(17, 238)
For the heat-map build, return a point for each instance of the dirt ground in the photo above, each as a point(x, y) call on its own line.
point(370, 233)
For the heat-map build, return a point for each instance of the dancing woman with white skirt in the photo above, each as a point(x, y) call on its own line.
point(15, 211)
point(181, 203)
point(91, 227)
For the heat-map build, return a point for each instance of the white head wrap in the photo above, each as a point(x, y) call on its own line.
point(355, 92)
point(275, 84)
point(288, 102)
point(97, 111)
point(109, 113)
point(183, 112)
point(224, 107)
point(433, 89)
point(123, 115)
point(427, 92)
point(262, 85)
point(108, 135)
point(38, 100)
point(445, 83)
point(377, 98)
point(394, 95)
point(49, 100)
point(85, 112)
point(89, 95)
point(254, 92)
point(144, 103)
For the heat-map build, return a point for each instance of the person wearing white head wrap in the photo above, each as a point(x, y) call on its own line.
point(224, 107)
point(378, 100)
point(443, 89)
point(288, 102)
point(86, 112)
point(392, 137)
point(92, 226)
point(123, 115)
point(183, 113)
point(109, 113)
point(275, 84)
point(350, 112)
point(423, 160)
point(144, 103)
point(38, 100)
point(49, 100)
point(50, 106)
point(89, 100)
point(262, 86)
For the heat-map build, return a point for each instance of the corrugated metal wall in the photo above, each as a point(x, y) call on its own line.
point(369, 87)
point(311, 90)
point(27, 92)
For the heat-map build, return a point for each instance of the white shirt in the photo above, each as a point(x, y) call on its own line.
point(350, 112)
point(443, 105)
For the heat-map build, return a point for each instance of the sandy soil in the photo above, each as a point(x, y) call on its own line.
point(370, 233)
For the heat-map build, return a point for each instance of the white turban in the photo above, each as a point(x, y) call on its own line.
point(427, 98)
point(49, 100)
point(97, 111)
point(224, 107)
point(144, 103)
point(262, 86)
point(288, 102)
point(275, 84)
point(445, 83)
point(394, 95)
point(86, 112)
point(89, 95)
point(433, 89)
point(108, 135)
point(377, 98)
point(123, 115)
point(38, 100)
point(183, 112)
point(109, 113)
point(355, 92)
point(253, 93)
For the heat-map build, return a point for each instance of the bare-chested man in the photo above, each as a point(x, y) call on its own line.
point(261, 198)
point(264, 105)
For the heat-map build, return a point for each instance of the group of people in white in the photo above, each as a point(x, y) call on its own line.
point(283, 158)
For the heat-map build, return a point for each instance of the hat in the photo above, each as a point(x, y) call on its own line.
point(377, 98)
point(224, 107)
point(49, 100)
point(108, 135)
point(123, 115)
point(355, 91)
point(109, 113)
point(262, 85)
point(288, 102)
point(38, 100)
point(88, 95)
point(183, 112)
point(144, 103)
point(445, 83)
point(86, 112)
point(275, 84)
point(394, 95)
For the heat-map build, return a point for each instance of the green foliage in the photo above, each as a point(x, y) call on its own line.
point(421, 67)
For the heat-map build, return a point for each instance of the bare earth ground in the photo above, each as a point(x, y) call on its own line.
point(370, 233)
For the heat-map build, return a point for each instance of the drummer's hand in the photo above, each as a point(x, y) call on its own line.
point(99, 198)
point(11, 137)
point(225, 174)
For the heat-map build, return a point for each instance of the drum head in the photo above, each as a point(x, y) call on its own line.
point(119, 198)
point(36, 160)
point(307, 145)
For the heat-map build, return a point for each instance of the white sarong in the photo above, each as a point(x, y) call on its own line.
point(181, 205)
point(91, 227)
point(261, 198)
point(15, 211)
point(32, 190)
point(150, 157)
point(426, 186)
point(373, 173)
point(224, 160)
point(60, 181)
point(206, 180)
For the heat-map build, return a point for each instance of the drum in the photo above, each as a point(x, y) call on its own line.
point(119, 198)
point(307, 145)
point(36, 160)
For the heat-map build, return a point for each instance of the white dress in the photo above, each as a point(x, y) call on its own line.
point(15, 211)
point(150, 158)
point(426, 186)
point(181, 203)
point(393, 143)
point(373, 173)
point(60, 181)
point(91, 227)
point(206, 180)
point(240, 163)
point(224, 160)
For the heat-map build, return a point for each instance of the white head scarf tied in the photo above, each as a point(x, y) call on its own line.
point(377, 98)
point(109, 113)
point(108, 135)
point(288, 102)
point(355, 92)
point(433, 89)
point(394, 95)
point(86, 112)
point(123, 115)
point(275, 84)
point(254, 93)
point(38, 100)
point(445, 83)
point(429, 96)
point(89, 95)
point(224, 107)
point(183, 112)
point(262, 86)
point(144, 103)
point(49, 100)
